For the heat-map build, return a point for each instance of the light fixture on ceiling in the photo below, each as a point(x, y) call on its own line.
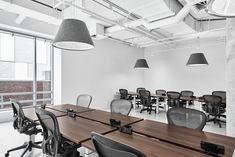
point(221, 8)
point(141, 64)
point(73, 35)
point(197, 59)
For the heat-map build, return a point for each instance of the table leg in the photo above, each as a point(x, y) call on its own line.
point(134, 102)
point(187, 103)
point(157, 105)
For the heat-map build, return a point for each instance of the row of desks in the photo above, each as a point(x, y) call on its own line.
point(151, 137)
point(157, 96)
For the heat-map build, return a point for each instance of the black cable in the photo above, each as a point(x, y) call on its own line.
point(49, 6)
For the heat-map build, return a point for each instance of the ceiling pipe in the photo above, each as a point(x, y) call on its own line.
point(132, 16)
point(160, 23)
point(135, 30)
point(211, 33)
point(179, 17)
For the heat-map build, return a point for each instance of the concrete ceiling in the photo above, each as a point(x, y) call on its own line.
point(140, 23)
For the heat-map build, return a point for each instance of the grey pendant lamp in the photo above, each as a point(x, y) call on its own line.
point(141, 64)
point(197, 59)
point(73, 35)
point(221, 8)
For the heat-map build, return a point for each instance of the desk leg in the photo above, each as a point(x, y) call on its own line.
point(157, 105)
point(165, 106)
point(134, 102)
point(187, 103)
point(200, 106)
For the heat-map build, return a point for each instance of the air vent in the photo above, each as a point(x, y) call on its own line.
point(201, 5)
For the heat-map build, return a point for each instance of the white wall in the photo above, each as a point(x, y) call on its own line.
point(168, 68)
point(100, 72)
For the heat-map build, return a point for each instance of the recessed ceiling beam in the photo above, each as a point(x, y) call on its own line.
point(58, 4)
point(20, 19)
point(13, 8)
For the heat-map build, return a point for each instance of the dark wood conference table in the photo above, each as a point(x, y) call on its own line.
point(153, 138)
point(31, 115)
point(75, 108)
point(150, 146)
point(79, 129)
point(104, 117)
point(184, 137)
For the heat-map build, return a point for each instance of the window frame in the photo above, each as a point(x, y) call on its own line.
point(34, 92)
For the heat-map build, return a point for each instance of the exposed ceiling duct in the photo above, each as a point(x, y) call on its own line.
point(139, 23)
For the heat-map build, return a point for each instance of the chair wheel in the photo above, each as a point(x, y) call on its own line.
point(7, 154)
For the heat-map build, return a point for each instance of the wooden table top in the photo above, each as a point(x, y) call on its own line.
point(31, 115)
point(64, 107)
point(79, 129)
point(104, 117)
point(151, 147)
point(182, 136)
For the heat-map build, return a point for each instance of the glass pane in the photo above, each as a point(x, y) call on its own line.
point(6, 47)
point(19, 90)
point(7, 70)
point(24, 49)
point(17, 76)
point(43, 60)
point(43, 71)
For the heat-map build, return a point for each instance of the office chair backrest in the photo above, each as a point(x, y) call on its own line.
point(18, 114)
point(186, 93)
point(51, 133)
point(139, 89)
point(107, 147)
point(222, 94)
point(121, 106)
point(186, 117)
point(84, 100)
point(173, 99)
point(161, 92)
point(145, 97)
point(124, 93)
point(212, 104)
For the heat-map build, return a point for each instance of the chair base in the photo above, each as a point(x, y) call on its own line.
point(28, 147)
point(216, 120)
point(149, 109)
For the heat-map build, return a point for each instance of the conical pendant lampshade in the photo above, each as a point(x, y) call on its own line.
point(73, 35)
point(141, 64)
point(221, 8)
point(197, 59)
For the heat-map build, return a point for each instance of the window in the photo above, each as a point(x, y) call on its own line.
point(43, 71)
point(25, 70)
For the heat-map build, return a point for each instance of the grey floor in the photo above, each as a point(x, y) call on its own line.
point(10, 138)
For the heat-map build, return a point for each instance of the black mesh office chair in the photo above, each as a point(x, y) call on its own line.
point(161, 100)
point(107, 147)
point(146, 101)
point(186, 117)
point(84, 100)
point(222, 94)
point(213, 107)
point(53, 144)
point(138, 101)
point(186, 93)
point(23, 126)
point(173, 99)
point(121, 106)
